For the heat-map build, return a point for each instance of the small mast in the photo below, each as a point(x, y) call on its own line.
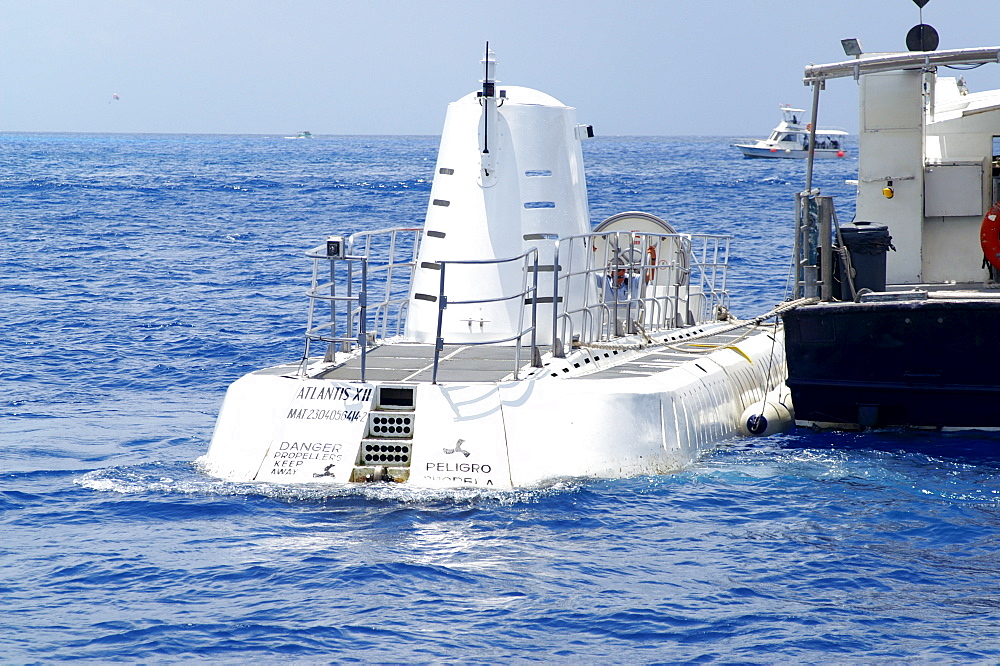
point(488, 130)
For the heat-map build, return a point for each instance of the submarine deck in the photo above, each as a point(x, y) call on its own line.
point(414, 362)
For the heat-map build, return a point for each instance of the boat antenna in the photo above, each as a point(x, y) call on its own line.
point(488, 98)
point(488, 91)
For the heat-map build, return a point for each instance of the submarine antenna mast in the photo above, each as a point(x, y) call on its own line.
point(488, 100)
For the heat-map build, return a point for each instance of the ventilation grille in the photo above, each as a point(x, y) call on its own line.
point(380, 453)
point(394, 426)
point(389, 440)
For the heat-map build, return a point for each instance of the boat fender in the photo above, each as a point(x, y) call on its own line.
point(764, 418)
point(989, 235)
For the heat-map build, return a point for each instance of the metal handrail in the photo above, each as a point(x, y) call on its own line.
point(318, 292)
point(348, 294)
point(713, 270)
point(620, 281)
point(365, 243)
point(525, 293)
point(639, 282)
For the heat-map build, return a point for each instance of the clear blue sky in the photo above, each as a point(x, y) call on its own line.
point(717, 67)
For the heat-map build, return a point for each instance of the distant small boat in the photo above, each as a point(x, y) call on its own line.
point(790, 139)
point(301, 135)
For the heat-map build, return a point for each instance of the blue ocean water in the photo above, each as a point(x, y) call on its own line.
point(144, 273)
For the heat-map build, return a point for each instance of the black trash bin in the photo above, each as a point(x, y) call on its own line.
point(867, 243)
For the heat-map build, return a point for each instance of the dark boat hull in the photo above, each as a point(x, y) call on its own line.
point(931, 362)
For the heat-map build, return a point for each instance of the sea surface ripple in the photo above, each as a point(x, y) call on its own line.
point(144, 273)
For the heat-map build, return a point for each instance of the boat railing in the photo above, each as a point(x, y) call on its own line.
point(619, 283)
point(362, 283)
point(391, 256)
point(527, 294)
point(710, 262)
point(605, 286)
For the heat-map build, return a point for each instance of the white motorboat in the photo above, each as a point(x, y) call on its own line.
point(790, 139)
point(904, 333)
point(506, 343)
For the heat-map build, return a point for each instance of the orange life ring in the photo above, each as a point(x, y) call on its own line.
point(651, 272)
point(989, 235)
point(809, 126)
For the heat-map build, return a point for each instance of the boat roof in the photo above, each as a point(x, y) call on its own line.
point(886, 62)
point(818, 131)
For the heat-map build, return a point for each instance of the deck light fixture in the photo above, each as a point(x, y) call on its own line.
point(335, 248)
point(852, 47)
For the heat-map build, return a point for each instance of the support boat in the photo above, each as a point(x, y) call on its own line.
point(906, 301)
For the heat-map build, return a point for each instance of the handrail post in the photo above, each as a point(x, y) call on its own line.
point(797, 249)
point(438, 340)
point(557, 345)
point(310, 318)
point(520, 314)
point(826, 246)
point(536, 357)
point(363, 324)
point(349, 293)
point(333, 294)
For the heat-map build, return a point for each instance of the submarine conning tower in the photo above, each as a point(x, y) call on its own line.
point(509, 177)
